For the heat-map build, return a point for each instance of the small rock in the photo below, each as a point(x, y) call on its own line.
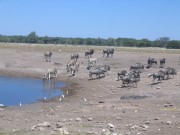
point(118, 118)
point(64, 120)
point(101, 102)
point(90, 119)
point(110, 125)
point(156, 118)
point(168, 122)
point(158, 87)
point(78, 119)
point(63, 131)
point(145, 126)
point(147, 122)
point(59, 125)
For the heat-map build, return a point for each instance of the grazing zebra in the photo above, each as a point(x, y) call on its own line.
point(49, 72)
point(47, 56)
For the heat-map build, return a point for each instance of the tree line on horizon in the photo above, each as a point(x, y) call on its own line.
point(163, 42)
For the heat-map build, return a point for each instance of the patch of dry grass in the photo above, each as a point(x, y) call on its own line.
point(82, 48)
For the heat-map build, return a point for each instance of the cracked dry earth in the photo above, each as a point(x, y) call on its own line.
point(99, 106)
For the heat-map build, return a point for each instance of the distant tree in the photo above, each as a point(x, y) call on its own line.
point(32, 38)
point(173, 44)
point(111, 42)
point(161, 42)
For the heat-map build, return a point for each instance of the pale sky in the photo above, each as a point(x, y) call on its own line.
point(137, 19)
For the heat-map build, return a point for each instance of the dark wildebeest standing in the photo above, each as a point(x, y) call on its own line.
point(129, 80)
point(98, 72)
point(108, 52)
point(162, 62)
point(160, 75)
point(89, 53)
point(137, 66)
point(151, 61)
point(47, 56)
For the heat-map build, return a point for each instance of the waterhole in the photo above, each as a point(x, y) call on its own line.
point(20, 91)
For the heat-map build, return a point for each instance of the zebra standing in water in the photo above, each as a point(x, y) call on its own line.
point(47, 56)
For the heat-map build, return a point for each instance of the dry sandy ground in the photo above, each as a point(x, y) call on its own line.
point(97, 106)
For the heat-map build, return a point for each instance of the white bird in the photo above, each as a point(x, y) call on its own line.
point(20, 104)
point(85, 99)
point(44, 98)
point(67, 92)
point(62, 95)
point(60, 99)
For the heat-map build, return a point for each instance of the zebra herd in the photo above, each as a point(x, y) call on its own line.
point(129, 78)
point(73, 64)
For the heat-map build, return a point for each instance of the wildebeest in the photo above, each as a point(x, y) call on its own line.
point(162, 62)
point(47, 56)
point(125, 80)
point(98, 72)
point(129, 80)
point(102, 67)
point(160, 75)
point(137, 66)
point(169, 71)
point(151, 61)
point(135, 73)
point(108, 51)
point(89, 53)
point(134, 80)
point(121, 73)
point(49, 72)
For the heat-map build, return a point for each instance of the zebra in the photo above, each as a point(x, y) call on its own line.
point(47, 56)
point(151, 61)
point(49, 72)
point(75, 56)
point(108, 51)
point(162, 62)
